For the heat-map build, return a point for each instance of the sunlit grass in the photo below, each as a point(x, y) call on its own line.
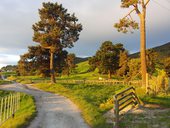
point(7, 74)
point(4, 82)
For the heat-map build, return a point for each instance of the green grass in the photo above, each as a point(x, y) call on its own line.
point(4, 93)
point(7, 74)
point(88, 98)
point(82, 72)
point(163, 100)
point(24, 115)
point(28, 79)
point(4, 82)
point(82, 67)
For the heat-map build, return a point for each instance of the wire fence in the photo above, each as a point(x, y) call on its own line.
point(101, 82)
point(8, 106)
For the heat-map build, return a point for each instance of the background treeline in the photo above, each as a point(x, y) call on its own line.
point(111, 59)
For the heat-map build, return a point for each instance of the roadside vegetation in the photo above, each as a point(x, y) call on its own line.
point(4, 82)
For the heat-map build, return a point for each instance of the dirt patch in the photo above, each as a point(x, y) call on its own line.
point(148, 116)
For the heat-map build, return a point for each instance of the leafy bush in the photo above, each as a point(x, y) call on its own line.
point(160, 82)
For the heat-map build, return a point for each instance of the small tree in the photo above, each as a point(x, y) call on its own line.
point(57, 29)
point(106, 58)
point(123, 64)
point(134, 68)
point(69, 64)
point(167, 66)
point(139, 6)
point(37, 61)
point(152, 60)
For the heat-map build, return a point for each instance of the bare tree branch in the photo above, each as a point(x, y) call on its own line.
point(147, 2)
point(129, 13)
point(136, 9)
point(46, 47)
point(143, 4)
point(130, 17)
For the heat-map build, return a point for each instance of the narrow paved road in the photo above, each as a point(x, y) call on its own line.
point(54, 111)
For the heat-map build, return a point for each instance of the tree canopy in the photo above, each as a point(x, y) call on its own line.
point(36, 61)
point(107, 57)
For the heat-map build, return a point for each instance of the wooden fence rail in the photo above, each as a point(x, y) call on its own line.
point(102, 82)
point(122, 100)
point(8, 106)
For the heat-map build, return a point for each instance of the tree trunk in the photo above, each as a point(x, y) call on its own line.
point(52, 67)
point(109, 74)
point(143, 48)
point(68, 72)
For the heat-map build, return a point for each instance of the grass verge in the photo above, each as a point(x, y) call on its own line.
point(4, 82)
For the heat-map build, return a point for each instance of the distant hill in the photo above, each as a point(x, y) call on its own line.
point(163, 50)
point(79, 59)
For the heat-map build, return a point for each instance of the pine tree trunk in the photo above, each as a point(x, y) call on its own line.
point(109, 74)
point(68, 72)
point(52, 67)
point(143, 48)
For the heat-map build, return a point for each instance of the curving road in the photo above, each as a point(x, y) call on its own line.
point(54, 111)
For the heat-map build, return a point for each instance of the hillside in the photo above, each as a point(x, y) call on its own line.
point(163, 50)
point(80, 59)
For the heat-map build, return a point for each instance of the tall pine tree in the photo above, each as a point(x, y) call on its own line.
point(138, 6)
point(57, 29)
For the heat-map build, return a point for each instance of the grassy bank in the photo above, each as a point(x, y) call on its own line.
point(161, 99)
point(93, 100)
point(24, 115)
point(4, 82)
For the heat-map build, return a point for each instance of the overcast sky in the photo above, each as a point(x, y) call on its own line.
point(96, 16)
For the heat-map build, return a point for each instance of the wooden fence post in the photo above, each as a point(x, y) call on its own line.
point(147, 83)
point(8, 105)
point(116, 111)
point(1, 111)
point(5, 109)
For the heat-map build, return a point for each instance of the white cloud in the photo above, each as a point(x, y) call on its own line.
point(6, 59)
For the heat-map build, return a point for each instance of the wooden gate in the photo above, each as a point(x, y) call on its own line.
point(122, 100)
